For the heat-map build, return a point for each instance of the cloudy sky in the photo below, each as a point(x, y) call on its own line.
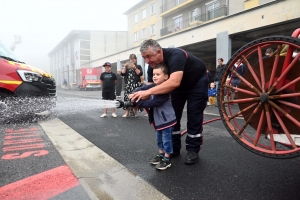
point(42, 24)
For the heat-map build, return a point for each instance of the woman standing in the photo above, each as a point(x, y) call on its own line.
point(131, 72)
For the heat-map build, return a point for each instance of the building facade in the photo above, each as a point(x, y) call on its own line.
point(79, 47)
point(209, 29)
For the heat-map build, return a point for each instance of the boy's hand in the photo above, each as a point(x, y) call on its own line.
point(130, 96)
point(143, 94)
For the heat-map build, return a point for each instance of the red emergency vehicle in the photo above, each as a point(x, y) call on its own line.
point(88, 79)
point(23, 87)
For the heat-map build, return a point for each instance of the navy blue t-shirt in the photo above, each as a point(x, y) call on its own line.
point(108, 81)
point(179, 60)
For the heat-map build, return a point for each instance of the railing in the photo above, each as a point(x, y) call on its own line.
point(212, 14)
point(170, 4)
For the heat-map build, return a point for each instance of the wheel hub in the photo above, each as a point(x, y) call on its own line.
point(264, 97)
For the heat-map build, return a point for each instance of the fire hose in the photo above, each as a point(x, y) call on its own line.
point(128, 104)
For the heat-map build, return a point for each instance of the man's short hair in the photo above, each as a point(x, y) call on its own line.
point(149, 43)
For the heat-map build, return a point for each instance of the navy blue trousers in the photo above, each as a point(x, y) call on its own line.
point(196, 98)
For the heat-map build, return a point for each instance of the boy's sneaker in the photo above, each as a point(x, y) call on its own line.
point(113, 115)
point(163, 164)
point(103, 115)
point(156, 160)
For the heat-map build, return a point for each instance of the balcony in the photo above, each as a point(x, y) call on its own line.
point(195, 21)
point(166, 8)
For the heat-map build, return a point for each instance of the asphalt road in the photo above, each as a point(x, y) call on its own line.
point(225, 169)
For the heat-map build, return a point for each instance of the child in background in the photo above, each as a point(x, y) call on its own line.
point(162, 116)
point(108, 80)
point(212, 94)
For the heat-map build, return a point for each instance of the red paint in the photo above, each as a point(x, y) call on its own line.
point(21, 140)
point(41, 186)
point(24, 147)
point(9, 142)
point(13, 156)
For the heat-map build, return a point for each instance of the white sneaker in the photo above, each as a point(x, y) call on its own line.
point(103, 115)
point(113, 115)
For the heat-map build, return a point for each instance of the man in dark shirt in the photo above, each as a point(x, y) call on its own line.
point(187, 83)
point(109, 81)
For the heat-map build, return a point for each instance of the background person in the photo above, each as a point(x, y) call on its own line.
point(268, 54)
point(241, 69)
point(212, 94)
point(131, 73)
point(187, 83)
point(119, 84)
point(163, 117)
point(108, 80)
point(65, 83)
point(219, 70)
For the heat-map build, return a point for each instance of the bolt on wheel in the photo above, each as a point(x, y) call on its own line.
point(263, 115)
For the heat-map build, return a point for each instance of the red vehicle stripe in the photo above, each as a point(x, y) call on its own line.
point(41, 186)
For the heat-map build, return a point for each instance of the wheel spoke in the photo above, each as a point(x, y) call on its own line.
point(287, 85)
point(287, 133)
point(246, 82)
point(269, 123)
point(281, 96)
point(284, 113)
point(242, 111)
point(246, 100)
point(289, 104)
point(283, 74)
point(241, 90)
point(259, 128)
point(245, 60)
point(261, 69)
point(249, 119)
point(275, 65)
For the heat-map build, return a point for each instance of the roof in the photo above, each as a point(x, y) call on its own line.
point(142, 2)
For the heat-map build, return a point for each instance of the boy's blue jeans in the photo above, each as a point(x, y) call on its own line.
point(164, 140)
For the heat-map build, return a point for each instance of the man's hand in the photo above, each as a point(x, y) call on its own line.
point(144, 94)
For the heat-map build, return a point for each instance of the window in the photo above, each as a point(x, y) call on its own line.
point(136, 18)
point(211, 7)
point(192, 15)
point(177, 2)
point(152, 8)
point(153, 29)
point(144, 33)
point(136, 36)
point(177, 22)
point(144, 13)
point(195, 14)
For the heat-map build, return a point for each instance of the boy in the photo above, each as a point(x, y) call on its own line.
point(108, 80)
point(212, 94)
point(162, 116)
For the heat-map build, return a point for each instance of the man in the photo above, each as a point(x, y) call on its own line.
point(219, 71)
point(187, 83)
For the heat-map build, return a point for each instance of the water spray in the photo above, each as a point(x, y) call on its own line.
point(3, 107)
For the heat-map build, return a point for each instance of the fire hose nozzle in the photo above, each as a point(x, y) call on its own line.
point(126, 104)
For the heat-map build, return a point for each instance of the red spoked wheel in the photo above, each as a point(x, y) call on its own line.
point(264, 116)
